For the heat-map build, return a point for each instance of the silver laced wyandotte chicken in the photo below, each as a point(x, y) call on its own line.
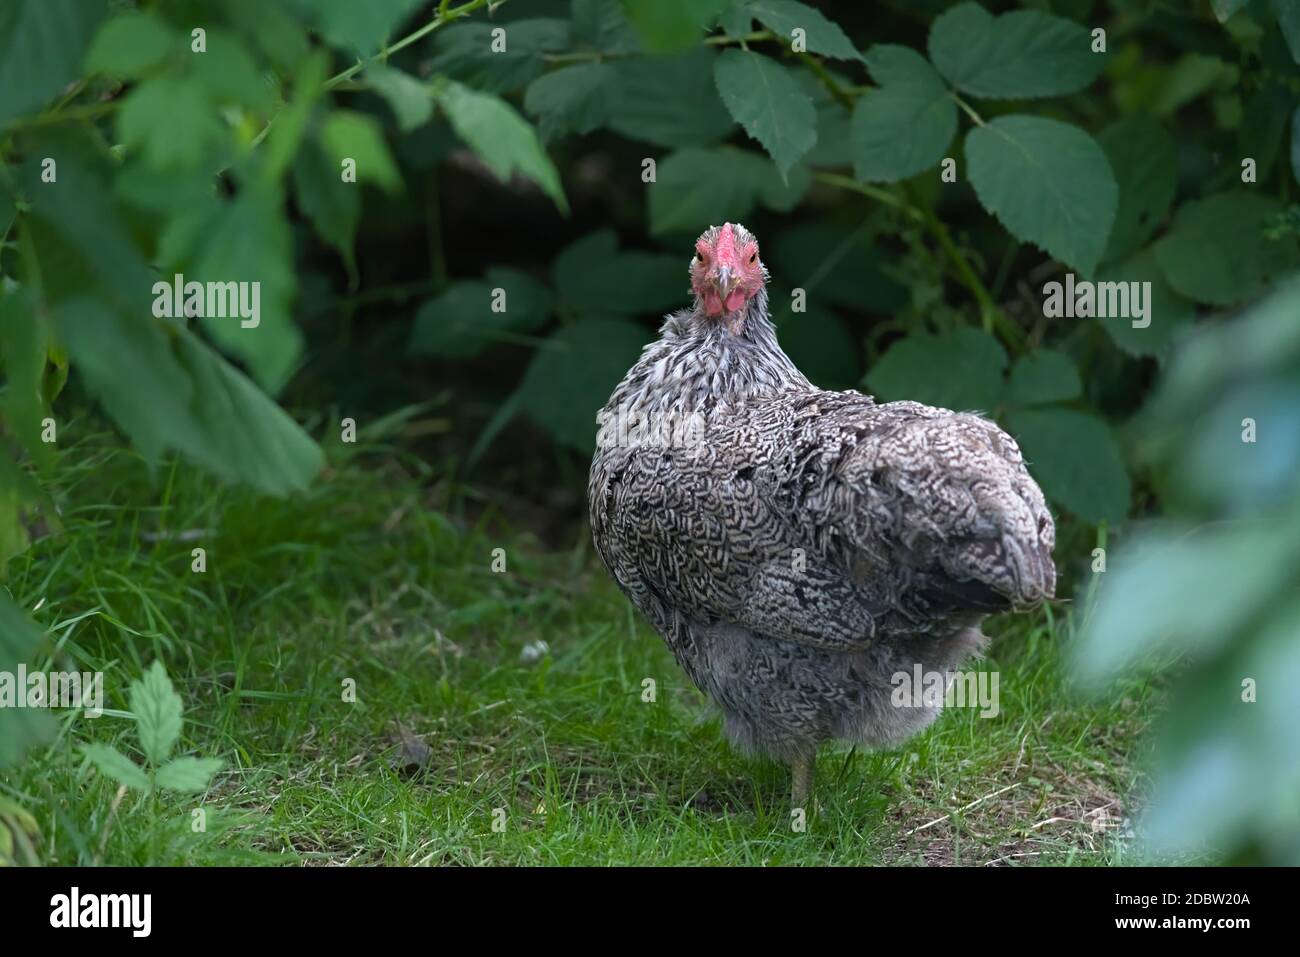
point(797, 548)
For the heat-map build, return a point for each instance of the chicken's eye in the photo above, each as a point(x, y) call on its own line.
point(753, 259)
point(699, 256)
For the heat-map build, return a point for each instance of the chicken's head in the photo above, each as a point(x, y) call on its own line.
point(726, 271)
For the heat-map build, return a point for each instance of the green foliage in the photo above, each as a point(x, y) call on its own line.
point(768, 102)
point(906, 126)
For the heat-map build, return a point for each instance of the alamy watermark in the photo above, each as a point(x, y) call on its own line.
point(213, 300)
point(1085, 299)
point(631, 428)
point(53, 689)
point(919, 688)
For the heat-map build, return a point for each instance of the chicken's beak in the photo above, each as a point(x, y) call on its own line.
point(724, 282)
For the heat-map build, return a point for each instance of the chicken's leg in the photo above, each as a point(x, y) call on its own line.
point(801, 780)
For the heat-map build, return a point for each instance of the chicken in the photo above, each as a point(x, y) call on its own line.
point(795, 548)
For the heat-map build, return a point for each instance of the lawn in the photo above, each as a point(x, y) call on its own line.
point(467, 741)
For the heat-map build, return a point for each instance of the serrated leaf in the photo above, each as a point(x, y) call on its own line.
point(905, 126)
point(187, 775)
point(959, 370)
point(470, 316)
point(821, 35)
point(668, 26)
point(669, 100)
point(1048, 183)
point(695, 187)
point(131, 44)
point(768, 102)
point(41, 48)
point(577, 99)
point(113, 764)
point(157, 709)
point(348, 135)
point(470, 52)
point(1167, 311)
point(1043, 375)
point(410, 100)
point(572, 376)
point(503, 139)
point(1216, 250)
point(594, 277)
point(1015, 56)
point(1075, 460)
point(1142, 157)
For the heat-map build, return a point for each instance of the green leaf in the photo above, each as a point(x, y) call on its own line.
point(41, 47)
point(577, 99)
point(361, 27)
point(410, 100)
point(470, 53)
point(669, 100)
point(503, 139)
point(1216, 251)
point(470, 316)
point(1142, 157)
point(115, 765)
point(573, 374)
point(821, 35)
point(905, 126)
point(1015, 56)
point(188, 775)
point(594, 277)
point(157, 709)
point(1043, 375)
point(1263, 126)
point(20, 728)
point(821, 345)
point(333, 206)
point(1076, 461)
point(959, 370)
point(191, 133)
point(1288, 20)
point(23, 348)
point(1048, 183)
point(668, 26)
point(768, 102)
point(246, 240)
point(166, 389)
point(359, 137)
point(1295, 144)
point(834, 265)
point(701, 186)
point(1224, 9)
point(603, 26)
point(229, 75)
point(1167, 312)
point(131, 44)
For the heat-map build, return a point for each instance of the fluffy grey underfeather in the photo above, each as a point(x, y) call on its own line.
point(812, 544)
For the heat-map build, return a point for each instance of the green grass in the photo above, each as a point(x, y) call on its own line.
point(365, 577)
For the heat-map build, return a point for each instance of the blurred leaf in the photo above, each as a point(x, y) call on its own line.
point(333, 206)
point(20, 728)
point(768, 102)
point(228, 73)
point(835, 266)
point(595, 278)
point(157, 709)
point(822, 36)
point(669, 100)
point(1263, 126)
point(668, 26)
point(410, 100)
point(116, 766)
point(1049, 184)
point(280, 37)
point(1216, 250)
point(1295, 144)
point(1018, 55)
point(1043, 375)
point(1075, 460)
point(168, 390)
point(465, 52)
point(360, 27)
point(823, 348)
point(356, 136)
point(188, 775)
point(959, 370)
point(603, 25)
point(697, 187)
point(189, 136)
point(1167, 311)
point(1224, 9)
point(462, 322)
point(577, 99)
point(23, 348)
point(571, 377)
point(1142, 157)
point(132, 44)
point(1288, 19)
point(905, 126)
point(503, 139)
point(41, 47)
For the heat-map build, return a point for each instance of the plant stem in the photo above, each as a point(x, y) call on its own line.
point(967, 108)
